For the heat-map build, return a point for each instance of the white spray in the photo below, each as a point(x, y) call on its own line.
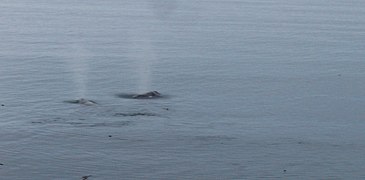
point(143, 55)
point(78, 65)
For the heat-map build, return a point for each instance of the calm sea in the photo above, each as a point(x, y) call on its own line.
point(269, 89)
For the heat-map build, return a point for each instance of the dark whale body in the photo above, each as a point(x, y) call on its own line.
point(83, 102)
point(147, 95)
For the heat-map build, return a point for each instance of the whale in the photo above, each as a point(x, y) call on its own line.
point(147, 95)
point(83, 102)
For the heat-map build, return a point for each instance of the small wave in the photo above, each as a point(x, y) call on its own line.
point(135, 114)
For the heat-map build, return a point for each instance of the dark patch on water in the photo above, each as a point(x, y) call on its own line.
point(214, 138)
point(106, 124)
point(210, 140)
point(83, 123)
point(86, 177)
point(135, 114)
point(37, 122)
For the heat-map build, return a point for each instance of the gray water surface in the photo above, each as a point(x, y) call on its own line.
point(256, 89)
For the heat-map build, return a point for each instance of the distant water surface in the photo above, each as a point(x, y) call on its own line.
point(257, 89)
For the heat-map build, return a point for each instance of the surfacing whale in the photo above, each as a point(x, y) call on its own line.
point(147, 95)
point(83, 102)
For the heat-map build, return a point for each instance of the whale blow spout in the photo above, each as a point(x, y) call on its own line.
point(147, 95)
point(83, 101)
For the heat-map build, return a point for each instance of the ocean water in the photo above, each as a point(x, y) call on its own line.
point(253, 89)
